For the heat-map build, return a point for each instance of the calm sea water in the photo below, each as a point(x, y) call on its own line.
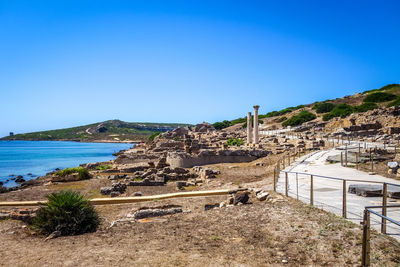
point(41, 157)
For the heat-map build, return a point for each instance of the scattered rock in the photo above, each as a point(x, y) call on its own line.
point(113, 177)
point(155, 212)
point(138, 194)
point(106, 190)
point(19, 179)
point(241, 197)
point(181, 184)
point(119, 187)
point(393, 164)
point(262, 195)
point(54, 234)
point(211, 206)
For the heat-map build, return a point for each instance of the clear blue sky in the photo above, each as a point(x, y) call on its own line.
point(68, 63)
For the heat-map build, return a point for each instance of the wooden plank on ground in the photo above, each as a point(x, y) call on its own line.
point(123, 200)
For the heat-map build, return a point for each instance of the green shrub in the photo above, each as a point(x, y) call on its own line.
point(222, 125)
point(67, 212)
point(300, 118)
point(365, 107)
point(269, 114)
point(281, 119)
point(234, 142)
point(396, 102)
point(154, 135)
point(323, 107)
point(281, 112)
point(82, 172)
point(389, 87)
point(103, 167)
point(239, 120)
point(341, 110)
point(378, 97)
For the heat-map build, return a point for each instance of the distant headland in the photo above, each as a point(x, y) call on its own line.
point(107, 131)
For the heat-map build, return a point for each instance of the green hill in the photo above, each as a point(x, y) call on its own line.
point(112, 130)
point(387, 96)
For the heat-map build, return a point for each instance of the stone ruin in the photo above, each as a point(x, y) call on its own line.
point(186, 147)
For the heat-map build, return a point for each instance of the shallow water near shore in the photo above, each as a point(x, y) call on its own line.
point(40, 157)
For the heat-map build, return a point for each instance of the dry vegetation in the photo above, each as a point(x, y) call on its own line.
point(285, 232)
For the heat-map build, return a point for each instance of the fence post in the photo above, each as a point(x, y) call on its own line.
point(275, 172)
point(289, 158)
point(345, 155)
point(312, 191)
point(344, 207)
point(372, 162)
point(357, 163)
point(286, 184)
point(365, 257)
point(341, 159)
point(384, 204)
point(297, 185)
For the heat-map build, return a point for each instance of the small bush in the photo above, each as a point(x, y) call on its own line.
point(378, 97)
point(300, 118)
point(396, 102)
point(154, 135)
point(365, 107)
point(83, 173)
point(103, 167)
point(323, 107)
point(341, 110)
point(67, 212)
point(281, 119)
point(222, 125)
point(234, 142)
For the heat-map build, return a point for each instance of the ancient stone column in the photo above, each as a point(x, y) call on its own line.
point(249, 129)
point(255, 125)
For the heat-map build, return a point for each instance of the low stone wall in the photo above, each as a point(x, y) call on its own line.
point(185, 160)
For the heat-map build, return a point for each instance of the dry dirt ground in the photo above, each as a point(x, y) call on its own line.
point(284, 232)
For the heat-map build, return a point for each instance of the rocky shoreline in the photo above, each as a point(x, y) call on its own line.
point(177, 156)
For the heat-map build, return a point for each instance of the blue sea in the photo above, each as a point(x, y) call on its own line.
point(41, 157)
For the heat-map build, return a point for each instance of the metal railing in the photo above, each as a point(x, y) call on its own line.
point(344, 182)
point(312, 179)
point(366, 245)
point(345, 212)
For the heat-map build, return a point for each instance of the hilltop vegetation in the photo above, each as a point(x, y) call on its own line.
point(113, 130)
point(387, 96)
point(299, 119)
